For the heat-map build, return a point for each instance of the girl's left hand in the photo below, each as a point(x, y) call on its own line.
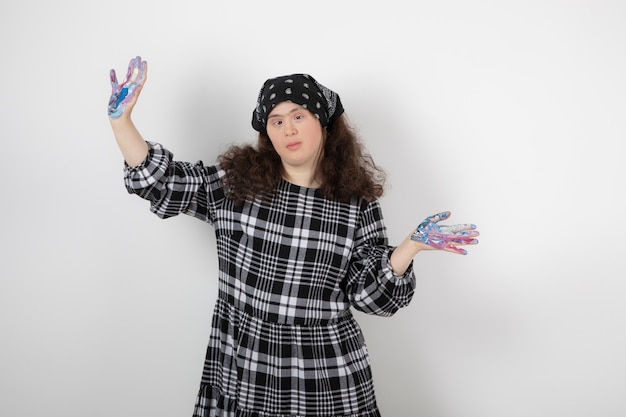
point(445, 238)
point(124, 96)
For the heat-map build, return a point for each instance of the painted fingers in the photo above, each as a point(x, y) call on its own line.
point(125, 93)
point(445, 237)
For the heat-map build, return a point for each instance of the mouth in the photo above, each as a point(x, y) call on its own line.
point(292, 146)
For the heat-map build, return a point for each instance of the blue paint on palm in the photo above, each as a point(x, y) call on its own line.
point(122, 96)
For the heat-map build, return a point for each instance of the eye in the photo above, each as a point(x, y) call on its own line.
point(299, 116)
point(276, 122)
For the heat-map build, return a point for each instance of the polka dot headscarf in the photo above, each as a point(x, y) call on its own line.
point(301, 89)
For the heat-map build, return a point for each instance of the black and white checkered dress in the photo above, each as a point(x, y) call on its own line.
point(283, 340)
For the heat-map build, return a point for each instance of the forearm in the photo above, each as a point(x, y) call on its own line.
point(134, 148)
point(403, 254)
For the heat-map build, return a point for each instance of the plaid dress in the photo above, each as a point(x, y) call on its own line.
point(283, 340)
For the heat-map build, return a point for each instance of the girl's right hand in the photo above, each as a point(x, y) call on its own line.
point(124, 96)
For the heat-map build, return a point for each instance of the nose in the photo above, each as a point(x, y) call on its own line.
point(290, 128)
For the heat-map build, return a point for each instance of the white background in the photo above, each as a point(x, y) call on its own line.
point(509, 114)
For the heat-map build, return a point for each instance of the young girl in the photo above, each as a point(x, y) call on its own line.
point(300, 241)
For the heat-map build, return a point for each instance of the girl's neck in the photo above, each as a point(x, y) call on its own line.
point(303, 178)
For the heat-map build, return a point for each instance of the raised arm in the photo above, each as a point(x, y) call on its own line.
point(123, 98)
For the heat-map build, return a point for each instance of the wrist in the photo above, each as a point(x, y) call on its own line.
point(122, 119)
point(401, 258)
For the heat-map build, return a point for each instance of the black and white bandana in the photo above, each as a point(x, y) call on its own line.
point(301, 89)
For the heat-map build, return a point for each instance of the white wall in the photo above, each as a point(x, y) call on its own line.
point(509, 114)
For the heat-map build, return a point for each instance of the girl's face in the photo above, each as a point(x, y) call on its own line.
point(296, 135)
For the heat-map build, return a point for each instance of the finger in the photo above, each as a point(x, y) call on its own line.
point(464, 241)
point(459, 235)
point(113, 77)
point(132, 69)
point(431, 221)
point(454, 249)
point(440, 240)
point(136, 70)
point(443, 240)
point(139, 68)
point(129, 71)
point(455, 228)
point(442, 235)
point(136, 88)
point(435, 218)
point(143, 69)
point(138, 75)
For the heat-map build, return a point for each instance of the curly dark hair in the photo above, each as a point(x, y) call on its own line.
point(345, 170)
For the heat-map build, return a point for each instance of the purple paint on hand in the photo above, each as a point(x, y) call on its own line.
point(123, 94)
point(445, 237)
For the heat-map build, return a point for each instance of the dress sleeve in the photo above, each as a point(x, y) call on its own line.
point(371, 285)
point(174, 187)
